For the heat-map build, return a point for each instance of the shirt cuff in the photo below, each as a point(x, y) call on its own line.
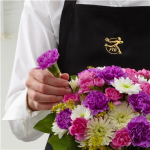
point(19, 110)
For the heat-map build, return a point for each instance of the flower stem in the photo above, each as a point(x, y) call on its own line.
point(55, 70)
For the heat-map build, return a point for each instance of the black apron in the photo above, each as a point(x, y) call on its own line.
point(92, 35)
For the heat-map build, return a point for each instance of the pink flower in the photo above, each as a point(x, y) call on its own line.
point(86, 80)
point(113, 94)
point(144, 72)
point(132, 74)
point(85, 86)
point(121, 139)
point(117, 102)
point(86, 75)
point(145, 87)
point(99, 82)
point(78, 128)
point(75, 97)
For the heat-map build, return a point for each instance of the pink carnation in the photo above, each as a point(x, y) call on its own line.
point(145, 87)
point(78, 128)
point(86, 80)
point(75, 97)
point(113, 94)
point(99, 82)
point(86, 75)
point(121, 139)
point(85, 86)
point(132, 74)
point(144, 72)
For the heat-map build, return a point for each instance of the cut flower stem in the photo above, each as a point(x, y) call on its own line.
point(55, 70)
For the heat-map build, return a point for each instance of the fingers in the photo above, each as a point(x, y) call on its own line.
point(45, 88)
point(39, 97)
point(65, 76)
point(46, 77)
point(44, 106)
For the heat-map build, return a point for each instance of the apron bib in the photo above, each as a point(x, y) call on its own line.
point(92, 35)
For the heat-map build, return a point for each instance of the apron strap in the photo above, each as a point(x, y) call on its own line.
point(65, 22)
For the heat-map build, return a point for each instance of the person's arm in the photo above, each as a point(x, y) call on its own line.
point(36, 36)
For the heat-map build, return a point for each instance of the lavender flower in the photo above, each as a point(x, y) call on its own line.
point(97, 102)
point(92, 70)
point(140, 102)
point(63, 119)
point(48, 60)
point(139, 131)
point(110, 72)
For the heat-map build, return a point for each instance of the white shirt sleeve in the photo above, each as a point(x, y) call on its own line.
point(36, 36)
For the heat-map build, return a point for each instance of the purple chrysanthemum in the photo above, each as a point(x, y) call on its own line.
point(63, 119)
point(97, 102)
point(140, 102)
point(48, 59)
point(139, 131)
point(111, 72)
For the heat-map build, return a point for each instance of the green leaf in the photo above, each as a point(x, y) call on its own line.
point(64, 143)
point(45, 124)
point(148, 148)
point(73, 77)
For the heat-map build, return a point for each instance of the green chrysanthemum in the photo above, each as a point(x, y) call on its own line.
point(121, 115)
point(101, 130)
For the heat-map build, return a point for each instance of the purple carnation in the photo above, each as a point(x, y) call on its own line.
point(111, 72)
point(63, 119)
point(139, 131)
point(97, 102)
point(48, 59)
point(140, 102)
point(92, 70)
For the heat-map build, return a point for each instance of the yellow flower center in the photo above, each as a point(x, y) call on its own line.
point(99, 131)
point(121, 118)
point(82, 115)
point(126, 86)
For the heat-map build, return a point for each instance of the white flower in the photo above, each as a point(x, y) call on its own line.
point(121, 115)
point(148, 117)
point(99, 131)
point(81, 111)
point(58, 131)
point(149, 81)
point(74, 84)
point(141, 79)
point(101, 68)
point(82, 143)
point(126, 86)
point(58, 111)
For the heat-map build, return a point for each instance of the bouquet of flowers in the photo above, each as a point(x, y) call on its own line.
point(109, 108)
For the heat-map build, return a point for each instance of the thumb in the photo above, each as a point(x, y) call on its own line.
point(65, 76)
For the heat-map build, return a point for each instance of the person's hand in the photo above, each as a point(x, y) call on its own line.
point(45, 90)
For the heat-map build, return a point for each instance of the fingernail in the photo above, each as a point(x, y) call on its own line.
point(65, 84)
point(59, 98)
point(68, 91)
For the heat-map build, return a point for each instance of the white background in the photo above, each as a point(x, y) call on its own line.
point(10, 18)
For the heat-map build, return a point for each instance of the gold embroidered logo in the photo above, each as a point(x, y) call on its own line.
point(112, 47)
